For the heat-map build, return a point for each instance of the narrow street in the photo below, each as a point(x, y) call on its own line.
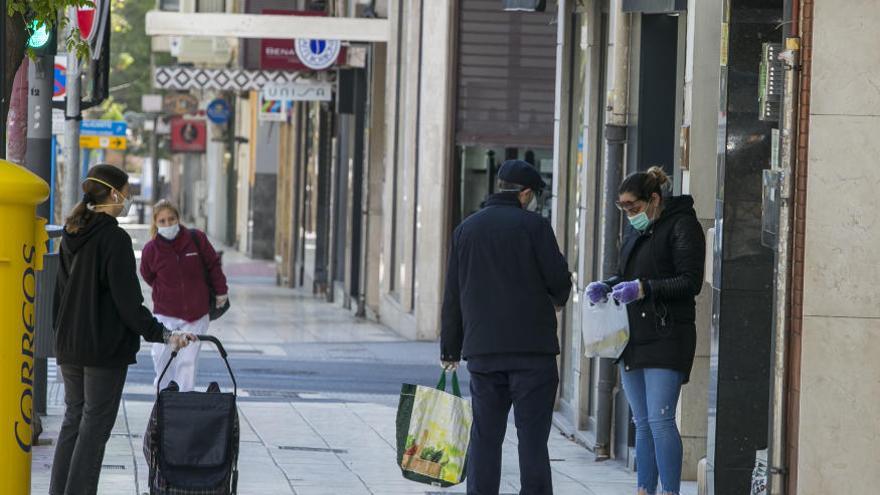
point(317, 400)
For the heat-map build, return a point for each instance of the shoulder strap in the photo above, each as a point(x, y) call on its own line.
point(195, 238)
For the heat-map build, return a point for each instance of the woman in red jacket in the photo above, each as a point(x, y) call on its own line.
point(179, 263)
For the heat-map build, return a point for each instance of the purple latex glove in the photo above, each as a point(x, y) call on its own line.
point(627, 292)
point(597, 292)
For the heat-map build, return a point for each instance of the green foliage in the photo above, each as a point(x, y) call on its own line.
point(130, 75)
point(112, 110)
point(47, 12)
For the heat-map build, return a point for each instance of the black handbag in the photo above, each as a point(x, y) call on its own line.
point(213, 311)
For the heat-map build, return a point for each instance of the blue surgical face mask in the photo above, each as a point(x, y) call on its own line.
point(169, 232)
point(640, 221)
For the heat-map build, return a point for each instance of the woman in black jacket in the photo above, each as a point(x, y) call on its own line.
point(660, 274)
point(99, 319)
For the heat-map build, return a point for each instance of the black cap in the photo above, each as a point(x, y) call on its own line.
point(521, 173)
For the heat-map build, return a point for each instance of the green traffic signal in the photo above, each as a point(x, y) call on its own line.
point(40, 36)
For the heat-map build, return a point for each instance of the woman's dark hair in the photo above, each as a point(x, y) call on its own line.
point(95, 193)
point(643, 184)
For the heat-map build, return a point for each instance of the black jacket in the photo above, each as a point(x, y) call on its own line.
point(669, 259)
point(504, 277)
point(103, 318)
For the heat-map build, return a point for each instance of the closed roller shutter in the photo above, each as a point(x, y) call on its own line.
point(506, 76)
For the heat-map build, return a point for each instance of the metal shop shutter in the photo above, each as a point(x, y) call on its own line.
point(506, 76)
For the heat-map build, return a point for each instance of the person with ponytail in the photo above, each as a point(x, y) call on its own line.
point(659, 276)
point(181, 266)
point(99, 318)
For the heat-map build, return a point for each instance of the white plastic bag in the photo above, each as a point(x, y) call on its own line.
point(605, 328)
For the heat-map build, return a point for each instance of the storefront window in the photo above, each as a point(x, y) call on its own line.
point(479, 169)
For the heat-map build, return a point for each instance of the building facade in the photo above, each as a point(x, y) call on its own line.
point(749, 106)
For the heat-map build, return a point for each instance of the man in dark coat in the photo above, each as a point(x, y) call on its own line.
point(505, 282)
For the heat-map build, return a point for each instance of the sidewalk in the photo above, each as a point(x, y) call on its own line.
point(309, 442)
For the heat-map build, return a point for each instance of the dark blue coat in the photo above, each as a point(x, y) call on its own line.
point(504, 278)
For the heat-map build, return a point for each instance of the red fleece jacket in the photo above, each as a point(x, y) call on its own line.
point(175, 271)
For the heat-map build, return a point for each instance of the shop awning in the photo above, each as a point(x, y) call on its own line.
point(160, 23)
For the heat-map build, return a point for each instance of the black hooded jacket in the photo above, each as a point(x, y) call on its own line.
point(669, 259)
point(504, 277)
point(103, 318)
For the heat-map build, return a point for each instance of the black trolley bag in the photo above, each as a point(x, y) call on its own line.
point(191, 442)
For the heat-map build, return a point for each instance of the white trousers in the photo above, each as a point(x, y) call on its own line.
point(183, 368)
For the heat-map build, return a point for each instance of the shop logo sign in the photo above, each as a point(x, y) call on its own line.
point(318, 54)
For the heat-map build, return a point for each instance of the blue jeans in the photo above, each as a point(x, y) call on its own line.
point(653, 398)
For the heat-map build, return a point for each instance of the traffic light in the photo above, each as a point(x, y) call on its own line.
point(41, 38)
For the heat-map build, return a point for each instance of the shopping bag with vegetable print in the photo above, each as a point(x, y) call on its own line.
point(433, 432)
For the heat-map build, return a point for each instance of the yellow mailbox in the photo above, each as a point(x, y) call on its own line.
point(22, 246)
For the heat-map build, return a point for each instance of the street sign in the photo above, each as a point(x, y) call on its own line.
point(103, 142)
point(151, 103)
point(86, 20)
point(299, 91)
point(218, 111)
point(113, 128)
point(57, 121)
point(60, 69)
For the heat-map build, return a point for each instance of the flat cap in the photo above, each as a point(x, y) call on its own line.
point(521, 173)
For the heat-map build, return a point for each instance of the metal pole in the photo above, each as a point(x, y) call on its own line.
point(71, 185)
point(154, 161)
point(615, 137)
point(38, 159)
point(777, 447)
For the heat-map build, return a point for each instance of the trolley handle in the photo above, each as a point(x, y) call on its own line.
point(223, 354)
point(215, 341)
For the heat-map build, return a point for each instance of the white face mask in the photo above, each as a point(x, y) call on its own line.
point(533, 203)
point(169, 232)
point(126, 207)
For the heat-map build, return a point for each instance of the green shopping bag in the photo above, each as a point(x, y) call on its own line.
point(433, 433)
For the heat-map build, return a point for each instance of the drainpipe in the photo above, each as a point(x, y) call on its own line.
point(612, 174)
point(777, 445)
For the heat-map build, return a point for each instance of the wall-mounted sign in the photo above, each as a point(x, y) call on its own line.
point(299, 91)
point(181, 78)
point(273, 110)
point(318, 54)
point(218, 111)
point(180, 104)
point(151, 103)
point(276, 54)
point(188, 135)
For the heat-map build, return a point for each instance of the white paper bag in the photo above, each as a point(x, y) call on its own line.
point(605, 328)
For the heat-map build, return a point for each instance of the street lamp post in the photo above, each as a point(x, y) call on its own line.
point(72, 174)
